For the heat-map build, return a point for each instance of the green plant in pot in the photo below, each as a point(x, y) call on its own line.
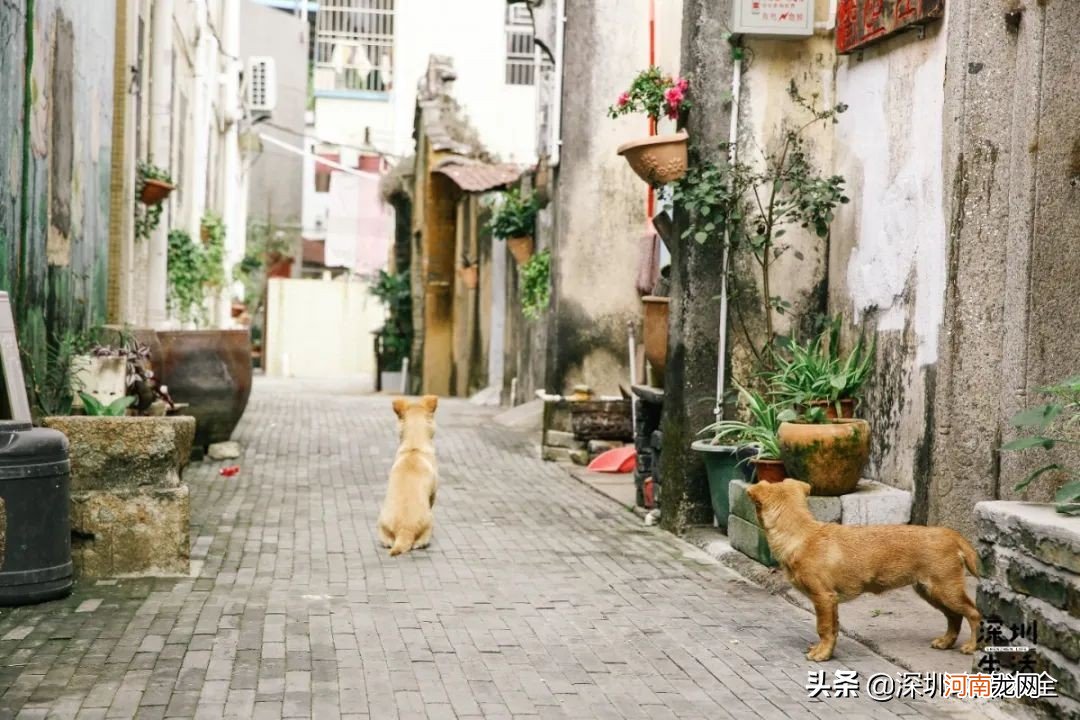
point(515, 221)
point(828, 454)
point(1051, 425)
point(396, 335)
point(815, 375)
point(736, 442)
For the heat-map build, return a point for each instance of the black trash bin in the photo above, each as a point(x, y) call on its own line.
point(35, 486)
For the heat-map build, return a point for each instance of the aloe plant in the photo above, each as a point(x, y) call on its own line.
point(815, 371)
point(760, 432)
point(1054, 423)
point(96, 408)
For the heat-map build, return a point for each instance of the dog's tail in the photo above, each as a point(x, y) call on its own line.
point(971, 558)
point(403, 541)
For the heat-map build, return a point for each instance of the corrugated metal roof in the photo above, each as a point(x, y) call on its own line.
point(473, 176)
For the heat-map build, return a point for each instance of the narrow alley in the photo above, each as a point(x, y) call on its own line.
point(538, 598)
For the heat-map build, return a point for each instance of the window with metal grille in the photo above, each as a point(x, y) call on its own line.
point(355, 41)
point(520, 58)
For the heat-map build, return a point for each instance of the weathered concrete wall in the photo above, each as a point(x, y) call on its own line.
point(766, 114)
point(275, 192)
point(1012, 188)
point(56, 163)
point(600, 203)
point(887, 265)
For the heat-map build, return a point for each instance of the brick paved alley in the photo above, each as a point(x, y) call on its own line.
point(538, 598)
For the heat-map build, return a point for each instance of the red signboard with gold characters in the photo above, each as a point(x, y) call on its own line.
point(863, 22)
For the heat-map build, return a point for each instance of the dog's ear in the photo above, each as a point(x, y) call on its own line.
point(805, 487)
point(754, 493)
point(400, 406)
point(430, 402)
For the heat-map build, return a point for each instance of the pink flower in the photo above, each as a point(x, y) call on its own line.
point(683, 84)
point(623, 99)
point(673, 112)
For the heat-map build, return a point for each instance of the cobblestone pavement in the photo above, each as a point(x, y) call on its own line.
point(537, 599)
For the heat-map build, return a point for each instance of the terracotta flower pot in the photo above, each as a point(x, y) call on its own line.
point(772, 471)
point(656, 331)
point(154, 192)
point(828, 456)
point(521, 248)
point(470, 276)
point(847, 408)
point(657, 159)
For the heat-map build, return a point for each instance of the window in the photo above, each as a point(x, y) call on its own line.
point(520, 59)
point(354, 45)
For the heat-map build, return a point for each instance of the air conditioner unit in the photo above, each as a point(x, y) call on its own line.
point(262, 84)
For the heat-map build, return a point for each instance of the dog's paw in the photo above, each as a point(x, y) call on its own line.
point(819, 654)
point(969, 648)
point(943, 643)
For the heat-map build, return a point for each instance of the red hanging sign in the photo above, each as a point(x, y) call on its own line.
point(863, 22)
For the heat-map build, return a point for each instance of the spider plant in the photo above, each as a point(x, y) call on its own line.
point(759, 432)
point(815, 372)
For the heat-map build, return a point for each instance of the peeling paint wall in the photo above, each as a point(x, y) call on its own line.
point(66, 190)
point(888, 254)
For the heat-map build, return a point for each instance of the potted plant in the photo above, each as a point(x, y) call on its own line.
point(814, 374)
point(515, 221)
point(1051, 424)
point(657, 159)
point(738, 443)
point(209, 367)
point(396, 334)
point(536, 284)
point(827, 454)
point(153, 184)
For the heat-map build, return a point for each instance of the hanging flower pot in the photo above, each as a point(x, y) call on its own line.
point(470, 276)
point(154, 192)
point(656, 331)
point(521, 248)
point(658, 159)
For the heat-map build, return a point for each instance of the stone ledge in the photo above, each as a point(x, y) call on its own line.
point(1053, 628)
point(1029, 576)
point(1033, 528)
point(131, 532)
point(125, 452)
point(872, 503)
point(750, 540)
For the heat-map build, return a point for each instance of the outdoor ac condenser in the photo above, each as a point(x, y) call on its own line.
point(262, 84)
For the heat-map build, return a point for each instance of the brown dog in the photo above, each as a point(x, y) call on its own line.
point(832, 563)
point(406, 519)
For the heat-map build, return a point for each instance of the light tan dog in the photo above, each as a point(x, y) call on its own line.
point(832, 563)
point(406, 520)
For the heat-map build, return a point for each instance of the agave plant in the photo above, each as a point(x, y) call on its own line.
point(1052, 424)
point(759, 432)
point(816, 372)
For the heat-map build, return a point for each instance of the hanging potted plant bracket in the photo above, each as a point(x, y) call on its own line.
point(657, 159)
point(155, 185)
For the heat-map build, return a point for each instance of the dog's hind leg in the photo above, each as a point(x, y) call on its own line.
point(424, 538)
point(954, 595)
point(828, 625)
point(953, 619)
point(385, 537)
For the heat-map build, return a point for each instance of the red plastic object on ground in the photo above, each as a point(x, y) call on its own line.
point(619, 460)
point(229, 471)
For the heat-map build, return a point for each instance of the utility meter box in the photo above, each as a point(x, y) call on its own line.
point(773, 18)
